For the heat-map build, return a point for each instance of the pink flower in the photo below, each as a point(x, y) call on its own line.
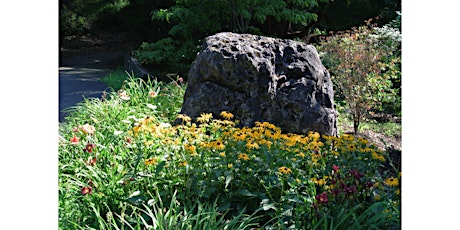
point(153, 94)
point(88, 129)
point(123, 95)
point(335, 168)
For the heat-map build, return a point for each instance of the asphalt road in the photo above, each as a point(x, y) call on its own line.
point(79, 77)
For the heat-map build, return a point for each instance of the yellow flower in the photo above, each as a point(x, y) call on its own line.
point(348, 137)
point(151, 161)
point(319, 182)
point(266, 142)
point(335, 153)
point(363, 141)
point(243, 156)
point(147, 143)
point(284, 170)
point(191, 149)
point(229, 166)
point(301, 154)
point(392, 182)
point(397, 192)
point(239, 136)
point(217, 145)
point(222, 154)
point(252, 145)
point(314, 135)
point(377, 156)
point(204, 117)
point(184, 163)
point(184, 118)
point(226, 115)
point(352, 147)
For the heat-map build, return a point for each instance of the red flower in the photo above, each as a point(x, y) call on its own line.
point(86, 190)
point(322, 198)
point(335, 191)
point(349, 190)
point(335, 168)
point(92, 161)
point(89, 147)
point(74, 140)
point(356, 174)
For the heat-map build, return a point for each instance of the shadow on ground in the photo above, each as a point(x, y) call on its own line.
point(80, 77)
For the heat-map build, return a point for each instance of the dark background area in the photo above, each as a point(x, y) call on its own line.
point(85, 24)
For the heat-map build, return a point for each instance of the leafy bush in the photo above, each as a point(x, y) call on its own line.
point(122, 164)
point(364, 63)
point(192, 21)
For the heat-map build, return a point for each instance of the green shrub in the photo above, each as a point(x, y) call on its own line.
point(364, 63)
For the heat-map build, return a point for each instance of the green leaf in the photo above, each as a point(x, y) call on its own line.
point(228, 179)
point(245, 192)
point(266, 205)
point(159, 168)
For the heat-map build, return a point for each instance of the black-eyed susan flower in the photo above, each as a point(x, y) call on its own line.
point(183, 163)
point(204, 117)
point(184, 118)
point(284, 170)
point(363, 141)
point(190, 149)
point(252, 145)
point(352, 147)
point(239, 136)
point(243, 156)
point(392, 182)
point(222, 154)
point(218, 144)
point(226, 115)
point(151, 161)
point(230, 165)
point(377, 156)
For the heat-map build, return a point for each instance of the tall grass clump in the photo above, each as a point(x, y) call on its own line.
point(123, 164)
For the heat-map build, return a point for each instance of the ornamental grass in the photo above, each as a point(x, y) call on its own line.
point(124, 165)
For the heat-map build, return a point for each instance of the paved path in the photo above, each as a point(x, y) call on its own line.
point(79, 77)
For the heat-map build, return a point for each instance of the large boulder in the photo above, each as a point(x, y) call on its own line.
point(260, 78)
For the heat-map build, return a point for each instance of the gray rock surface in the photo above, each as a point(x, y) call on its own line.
point(260, 78)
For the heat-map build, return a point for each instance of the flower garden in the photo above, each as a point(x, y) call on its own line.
point(131, 161)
